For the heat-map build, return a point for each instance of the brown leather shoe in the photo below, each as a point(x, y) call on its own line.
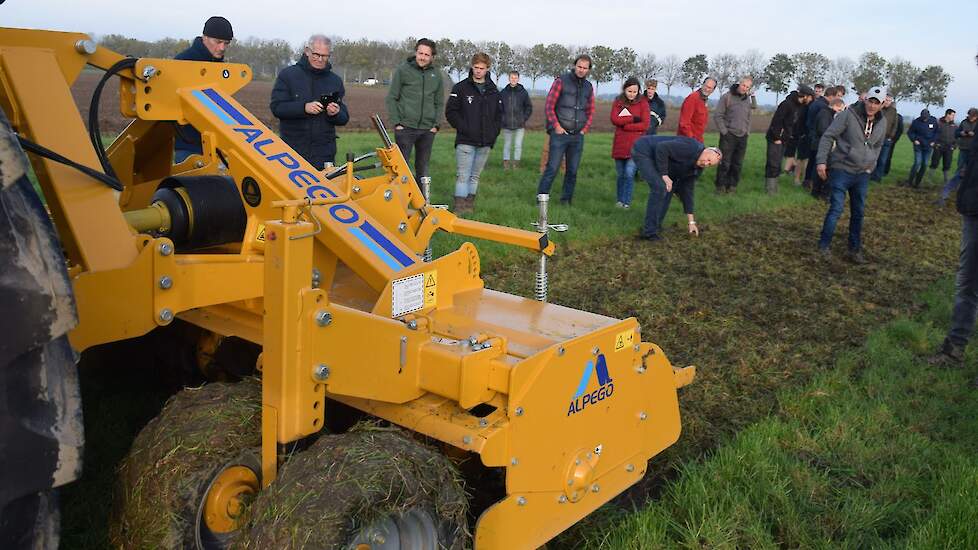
point(470, 203)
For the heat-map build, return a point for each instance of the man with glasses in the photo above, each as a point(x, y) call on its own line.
point(414, 104)
point(308, 101)
point(211, 45)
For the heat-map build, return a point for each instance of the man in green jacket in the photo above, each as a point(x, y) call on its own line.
point(414, 104)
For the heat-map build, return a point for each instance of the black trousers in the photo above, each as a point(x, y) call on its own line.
point(775, 152)
point(941, 153)
point(408, 138)
point(733, 149)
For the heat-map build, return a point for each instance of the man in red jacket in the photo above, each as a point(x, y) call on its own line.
point(693, 115)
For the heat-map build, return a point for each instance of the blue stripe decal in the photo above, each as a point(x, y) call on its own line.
point(390, 247)
point(228, 108)
point(214, 108)
point(359, 234)
point(582, 387)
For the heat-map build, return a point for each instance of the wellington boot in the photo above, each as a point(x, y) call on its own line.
point(771, 185)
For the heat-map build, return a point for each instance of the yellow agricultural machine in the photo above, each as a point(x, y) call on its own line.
point(474, 417)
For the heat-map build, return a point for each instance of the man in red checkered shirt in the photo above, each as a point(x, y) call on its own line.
point(569, 109)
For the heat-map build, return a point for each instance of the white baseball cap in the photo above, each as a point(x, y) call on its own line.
point(876, 92)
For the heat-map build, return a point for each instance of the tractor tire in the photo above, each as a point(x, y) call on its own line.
point(41, 433)
point(373, 486)
point(204, 445)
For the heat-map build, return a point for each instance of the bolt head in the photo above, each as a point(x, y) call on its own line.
point(467, 440)
point(519, 411)
point(403, 179)
point(148, 72)
point(561, 351)
point(402, 227)
point(595, 488)
point(514, 461)
point(166, 282)
point(483, 422)
point(521, 501)
point(166, 315)
point(412, 324)
point(388, 195)
point(320, 372)
point(323, 318)
point(642, 415)
point(630, 468)
point(356, 188)
point(595, 350)
point(86, 46)
point(166, 249)
point(562, 499)
point(636, 347)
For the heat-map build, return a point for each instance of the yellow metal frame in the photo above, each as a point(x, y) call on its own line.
point(574, 403)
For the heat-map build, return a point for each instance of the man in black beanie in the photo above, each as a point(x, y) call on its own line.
point(209, 46)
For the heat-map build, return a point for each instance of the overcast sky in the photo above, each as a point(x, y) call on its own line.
point(941, 33)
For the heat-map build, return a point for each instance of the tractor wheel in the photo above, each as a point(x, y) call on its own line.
point(372, 487)
point(192, 471)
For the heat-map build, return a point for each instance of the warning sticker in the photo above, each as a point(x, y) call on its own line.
point(260, 236)
point(624, 340)
point(431, 289)
point(407, 295)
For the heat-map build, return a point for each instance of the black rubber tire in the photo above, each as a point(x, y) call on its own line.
point(325, 494)
point(163, 481)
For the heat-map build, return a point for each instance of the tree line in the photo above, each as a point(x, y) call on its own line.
point(355, 60)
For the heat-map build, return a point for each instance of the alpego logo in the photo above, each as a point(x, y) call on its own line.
point(605, 390)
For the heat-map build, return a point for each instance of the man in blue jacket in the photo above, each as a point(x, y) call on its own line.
point(923, 134)
point(670, 164)
point(211, 45)
point(308, 101)
point(517, 109)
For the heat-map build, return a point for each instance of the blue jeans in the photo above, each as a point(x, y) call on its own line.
point(966, 285)
point(658, 201)
point(469, 162)
point(571, 145)
point(513, 140)
point(920, 155)
point(953, 183)
point(626, 179)
point(878, 172)
point(841, 182)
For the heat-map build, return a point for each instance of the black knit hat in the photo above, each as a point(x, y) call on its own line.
point(218, 27)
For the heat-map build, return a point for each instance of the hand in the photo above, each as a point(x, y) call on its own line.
point(777, 142)
point(559, 129)
point(822, 172)
point(693, 229)
point(583, 132)
point(434, 130)
point(332, 109)
point(915, 142)
point(314, 107)
point(668, 182)
point(399, 127)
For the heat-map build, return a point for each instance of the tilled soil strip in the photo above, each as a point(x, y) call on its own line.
point(751, 304)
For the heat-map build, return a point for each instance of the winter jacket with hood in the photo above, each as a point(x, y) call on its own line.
point(416, 96)
point(312, 136)
point(630, 121)
point(517, 106)
point(187, 137)
point(854, 152)
point(477, 116)
point(785, 119)
point(733, 112)
point(923, 130)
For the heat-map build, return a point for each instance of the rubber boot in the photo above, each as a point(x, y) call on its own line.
point(771, 184)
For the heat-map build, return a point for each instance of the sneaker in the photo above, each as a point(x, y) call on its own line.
point(825, 253)
point(565, 202)
point(625, 206)
point(620, 204)
point(948, 356)
point(857, 257)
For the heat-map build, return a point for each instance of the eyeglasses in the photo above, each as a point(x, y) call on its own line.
point(321, 56)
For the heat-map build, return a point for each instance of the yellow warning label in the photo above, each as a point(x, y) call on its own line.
point(624, 340)
point(260, 237)
point(431, 289)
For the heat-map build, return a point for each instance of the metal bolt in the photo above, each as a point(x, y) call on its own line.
point(577, 462)
point(595, 488)
point(412, 324)
point(85, 46)
point(642, 415)
point(467, 440)
point(521, 501)
point(199, 164)
point(483, 422)
point(356, 188)
point(316, 277)
point(473, 341)
point(149, 72)
point(434, 221)
point(561, 350)
point(589, 455)
point(514, 461)
point(166, 282)
point(166, 315)
point(562, 499)
point(388, 195)
point(402, 227)
point(166, 249)
point(595, 350)
point(519, 411)
point(570, 482)
point(636, 347)
point(379, 539)
point(640, 369)
point(320, 372)
point(630, 468)
point(403, 179)
point(323, 318)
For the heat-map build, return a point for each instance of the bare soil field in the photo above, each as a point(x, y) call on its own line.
point(362, 101)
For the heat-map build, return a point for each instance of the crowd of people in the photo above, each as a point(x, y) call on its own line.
point(831, 148)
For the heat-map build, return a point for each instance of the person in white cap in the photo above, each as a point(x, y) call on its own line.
point(851, 146)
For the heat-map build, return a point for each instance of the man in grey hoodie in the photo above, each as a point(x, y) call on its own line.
point(732, 116)
point(858, 135)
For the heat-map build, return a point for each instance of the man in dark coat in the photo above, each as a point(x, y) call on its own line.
point(308, 101)
point(923, 134)
point(657, 107)
point(780, 131)
point(517, 109)
point(670, 164)
point(475, 110)
point(211, 45)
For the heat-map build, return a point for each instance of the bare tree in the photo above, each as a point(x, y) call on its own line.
point(752, 64)
point(672, 72)
point(648, 66)
point(840, 72)
point(725, 67)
